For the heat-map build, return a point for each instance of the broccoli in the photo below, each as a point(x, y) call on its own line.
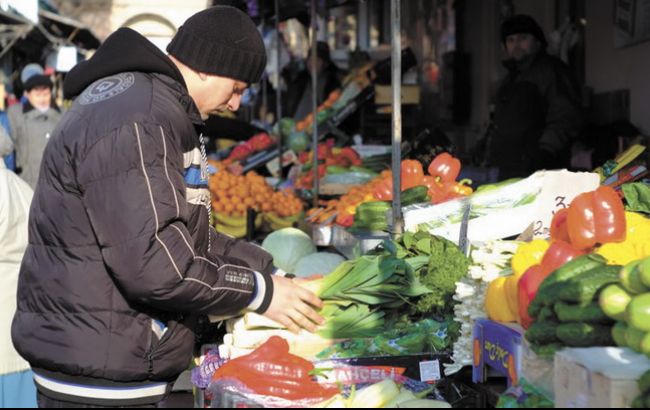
point(447, 265)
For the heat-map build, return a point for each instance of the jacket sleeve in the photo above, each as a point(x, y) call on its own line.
point(252, 255)
point(135, 195)
point(564, 119)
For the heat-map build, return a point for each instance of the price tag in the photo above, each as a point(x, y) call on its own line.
point(288, 158)
point(430, 371)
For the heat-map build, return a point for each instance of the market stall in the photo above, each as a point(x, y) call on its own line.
point(437, 293)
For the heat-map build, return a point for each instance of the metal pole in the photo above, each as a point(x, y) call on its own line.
point(278, 91)
point(314, 92)
point(265, 84)
point(397, 114)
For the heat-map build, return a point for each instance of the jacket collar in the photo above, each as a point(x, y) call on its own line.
point(28, 107)
point(183, 97)
point(514, 68)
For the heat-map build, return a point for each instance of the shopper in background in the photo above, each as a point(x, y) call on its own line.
point(16, 380)
point(299, 87)
point(538, 112)
point(122, 258)
point(33, 122)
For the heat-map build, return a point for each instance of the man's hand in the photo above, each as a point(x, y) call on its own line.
point(294, 307)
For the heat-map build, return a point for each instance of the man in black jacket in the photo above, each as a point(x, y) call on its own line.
point(538, 113)
point(121, 257)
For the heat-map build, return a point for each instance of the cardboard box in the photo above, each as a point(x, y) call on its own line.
point(597, 377)
point(497, 346)
point(411, 94)
point(538, 371)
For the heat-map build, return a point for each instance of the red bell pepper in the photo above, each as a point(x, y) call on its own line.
point(412, 174)
point(241, 151)
point(609, 211)
point(262, 141)
point(351, 156)
point(345, 221)
point(559, 254)
point(528, 286)
point(324, 151)
point(559, 226)
point(304, 157)
point(436, 190)
point(272, 371)
point(445, 167)
point(384, 190)
point(596, 218)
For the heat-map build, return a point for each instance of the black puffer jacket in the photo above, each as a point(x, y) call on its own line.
point(120, 246)
point(538, 116)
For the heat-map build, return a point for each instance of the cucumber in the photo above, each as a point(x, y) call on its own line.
point(542, 333)
point(547, 350)
point(584, 335)
point(415, 195)
point(362, 170)
point(585, 287)
point(576, 313)
point(553, 285)
point(548, 297)
point(547, 314)
point(376, 205)
point(337, 170)
point(572, 269)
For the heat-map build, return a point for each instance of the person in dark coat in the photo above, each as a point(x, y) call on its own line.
point(299, 102)
point(121, 257)
point(538, 112)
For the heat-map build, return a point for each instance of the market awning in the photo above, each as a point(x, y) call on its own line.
point(69, 30)
point(12, 29)
point(7, 18)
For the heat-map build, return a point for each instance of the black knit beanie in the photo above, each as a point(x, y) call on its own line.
point(38, 80)
point(223, 41)
point(522, 24)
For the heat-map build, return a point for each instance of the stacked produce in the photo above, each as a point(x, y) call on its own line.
point(411, 280)
point(566, 308)
point(324, 111)
point(257, 143)
point(343, 162)
point(441, 182)
point(628, 302)
point(426, 336)
point(233, 195)
point(506, 287)
point(437, 187)
point(635, 246)
point(490, 263)
point(342, 211)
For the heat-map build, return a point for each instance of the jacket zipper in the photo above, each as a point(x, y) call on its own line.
point(204, 169)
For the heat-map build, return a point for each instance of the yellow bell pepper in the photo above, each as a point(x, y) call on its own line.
point(529, 255)
point(636, 245)
point(512, 293)
point(496, 305)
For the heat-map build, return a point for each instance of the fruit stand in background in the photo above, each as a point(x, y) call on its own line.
point(234, 195)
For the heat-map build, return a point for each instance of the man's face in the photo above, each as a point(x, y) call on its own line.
point(521, 45)
point(40, 97)
point(220, 94)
